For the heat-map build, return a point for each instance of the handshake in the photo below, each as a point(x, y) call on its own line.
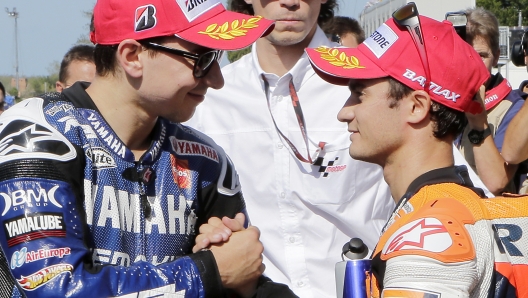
point(238, 254)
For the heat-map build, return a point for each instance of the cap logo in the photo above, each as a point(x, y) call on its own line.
point(195, 8)
point(434, 87)
point(381, 40)
point(229, 31)
point(338, 58)
point(145, 17)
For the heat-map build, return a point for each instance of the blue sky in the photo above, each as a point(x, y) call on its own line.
point(47, 29)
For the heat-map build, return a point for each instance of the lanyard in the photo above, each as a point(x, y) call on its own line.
point(300, 119)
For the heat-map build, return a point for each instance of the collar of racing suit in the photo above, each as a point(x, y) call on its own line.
point(77, 95)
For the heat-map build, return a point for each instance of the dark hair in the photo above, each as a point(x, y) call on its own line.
point(2, 88)
point(447, 121)
point(76, 53)
point(340, 26)
point(326, 13)
point(483, 23)
point(105, 56)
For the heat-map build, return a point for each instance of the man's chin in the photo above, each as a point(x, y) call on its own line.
point(286, 38)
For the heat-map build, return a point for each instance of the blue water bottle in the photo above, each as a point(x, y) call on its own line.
point(352, 274)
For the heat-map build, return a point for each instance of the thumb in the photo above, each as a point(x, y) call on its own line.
point(235, 224)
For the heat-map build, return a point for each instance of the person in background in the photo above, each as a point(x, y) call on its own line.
point(77, 65)
point(345, 31)
point(104, 190)
point(443, 239)
point(523, 87)
point(482, 139)
point(276, 121)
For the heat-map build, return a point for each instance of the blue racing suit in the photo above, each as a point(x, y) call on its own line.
point(81, 217)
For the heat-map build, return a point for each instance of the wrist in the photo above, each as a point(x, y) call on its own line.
point(478, 125)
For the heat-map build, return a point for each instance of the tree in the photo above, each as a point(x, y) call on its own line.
point(233, 56)
point(507, 11)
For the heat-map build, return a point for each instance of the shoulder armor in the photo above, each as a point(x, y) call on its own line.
point(437, 230)
point(25, 133)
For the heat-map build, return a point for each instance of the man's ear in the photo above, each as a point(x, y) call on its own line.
point(249, 1)
point(58, 86)
point(128, 57)
point(418, 104)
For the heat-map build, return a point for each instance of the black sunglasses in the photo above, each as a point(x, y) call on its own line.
point(202, 64)
point(407, 16)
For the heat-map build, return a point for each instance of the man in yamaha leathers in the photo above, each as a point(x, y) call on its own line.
point(102, 190)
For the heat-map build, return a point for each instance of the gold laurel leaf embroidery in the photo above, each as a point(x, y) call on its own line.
point(337, 63)
point(237, 33)
point(225, 36)
point(231, 31)
point(211, 28)
point(321, 49)
point(224, 27)
point(339, 59)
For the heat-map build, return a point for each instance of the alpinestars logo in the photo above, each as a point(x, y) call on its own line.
point(427, 234)
point(31, 139)
point(145, 17)
point(330, 167)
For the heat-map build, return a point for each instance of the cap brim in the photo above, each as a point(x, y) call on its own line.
point(228, 31)
point(339, 65)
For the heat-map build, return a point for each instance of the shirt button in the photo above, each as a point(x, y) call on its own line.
point(282, 195)
point(292, 239)
point(279, 145)
point(300, 283)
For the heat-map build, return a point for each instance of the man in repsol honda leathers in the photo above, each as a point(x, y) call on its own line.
point(482, 139)
point(407, 106)
point(102, 190)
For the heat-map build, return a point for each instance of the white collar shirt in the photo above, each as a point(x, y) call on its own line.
point(305, 213)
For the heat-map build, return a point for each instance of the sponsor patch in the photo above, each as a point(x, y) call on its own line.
point(181, 172)
point(43, 276)
point(427, 234)
point(101, 159)
point(57, 108)
point(145, 18)
point(433, 87)
point(70, 122)
point(22, 256)
point(195, 8)
point(381, 40)
point(22, 198)
point(26, 139)
point(188, 148)
point(331, 167)
point(105, 134)
point(34, 226)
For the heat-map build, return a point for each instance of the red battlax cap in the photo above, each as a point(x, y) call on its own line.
point(203, 22)
point(456, 69)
